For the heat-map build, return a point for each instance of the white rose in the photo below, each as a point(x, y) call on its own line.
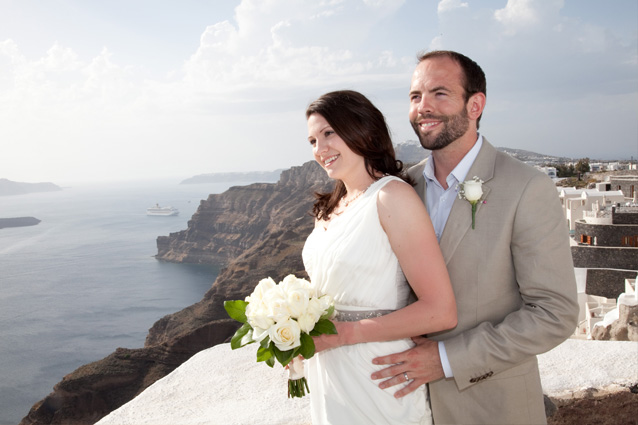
point(315, 308)
point(258, 315)
point(297, 294)
point(307, 322)
point(294, 281)
point(276, 301)
point(473, 190)
point(298, 302)
point(261, 289)
point(326, 302)
point(285, 335)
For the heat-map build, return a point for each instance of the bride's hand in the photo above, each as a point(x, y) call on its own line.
point(325, 341)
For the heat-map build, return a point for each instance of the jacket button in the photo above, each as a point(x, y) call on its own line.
point(482, 377)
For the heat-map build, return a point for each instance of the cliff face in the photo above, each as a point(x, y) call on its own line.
point(228, 224)
point(258, 231)
point(262, 233)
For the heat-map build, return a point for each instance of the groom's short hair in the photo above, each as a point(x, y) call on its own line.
point(474, 76)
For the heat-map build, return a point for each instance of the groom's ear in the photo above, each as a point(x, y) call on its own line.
point(475, 105)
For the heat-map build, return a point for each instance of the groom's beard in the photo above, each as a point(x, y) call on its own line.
point(454, 126)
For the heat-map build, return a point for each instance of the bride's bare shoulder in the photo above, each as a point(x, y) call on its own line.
point(396, 189)
point(398, 196)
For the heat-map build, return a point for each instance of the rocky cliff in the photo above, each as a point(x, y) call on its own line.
point(257, 231)
point(227, 225)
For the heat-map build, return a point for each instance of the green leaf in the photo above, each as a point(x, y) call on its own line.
point(296, 351)
point(236, 310)
point(265, 342)
point(263, 354)
point(324, 326)
point(271, 361)
point(243, 336)
point(328, 314)
point(283, 357)
point(307, 348)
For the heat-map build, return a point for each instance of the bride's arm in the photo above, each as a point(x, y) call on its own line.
point(409, 229)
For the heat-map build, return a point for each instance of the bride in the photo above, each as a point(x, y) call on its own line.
point(371, 233)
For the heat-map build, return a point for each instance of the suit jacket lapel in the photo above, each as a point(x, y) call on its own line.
point(417, 175)
point(460, 220)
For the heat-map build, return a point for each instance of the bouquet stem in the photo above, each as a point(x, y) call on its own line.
point(297, 388)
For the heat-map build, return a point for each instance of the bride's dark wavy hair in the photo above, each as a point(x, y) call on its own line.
point(364, 130)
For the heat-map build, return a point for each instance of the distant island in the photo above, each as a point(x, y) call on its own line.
point(410, 152)
point(238, 177)
point(8, 187)
point(18, 222)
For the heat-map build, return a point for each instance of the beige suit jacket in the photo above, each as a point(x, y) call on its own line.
point(515, 289)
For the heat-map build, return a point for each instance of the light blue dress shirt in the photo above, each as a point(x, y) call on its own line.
point(438, 202)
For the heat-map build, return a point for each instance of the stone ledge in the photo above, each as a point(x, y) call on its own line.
point(219, 385)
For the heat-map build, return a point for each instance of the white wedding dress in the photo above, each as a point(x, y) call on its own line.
point(353, 262)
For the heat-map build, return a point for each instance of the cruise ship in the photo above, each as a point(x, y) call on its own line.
point(163, 211)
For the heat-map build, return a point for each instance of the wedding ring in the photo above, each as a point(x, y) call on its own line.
point(405, 375)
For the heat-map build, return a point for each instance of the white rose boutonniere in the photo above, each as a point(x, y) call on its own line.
point(471, 191)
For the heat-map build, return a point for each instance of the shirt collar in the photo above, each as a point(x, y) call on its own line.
point(459, 173)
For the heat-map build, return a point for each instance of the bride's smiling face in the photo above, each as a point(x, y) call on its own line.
point(330, 151)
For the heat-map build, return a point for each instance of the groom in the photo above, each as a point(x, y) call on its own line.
point(512, 273)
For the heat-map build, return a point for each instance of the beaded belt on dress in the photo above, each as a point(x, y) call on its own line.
point(353, 316)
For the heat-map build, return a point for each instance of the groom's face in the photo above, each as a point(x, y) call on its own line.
point(438, 109)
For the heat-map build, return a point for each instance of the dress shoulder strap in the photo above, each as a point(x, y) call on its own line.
point(378, 185)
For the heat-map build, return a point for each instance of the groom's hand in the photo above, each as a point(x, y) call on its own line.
point(422, 364)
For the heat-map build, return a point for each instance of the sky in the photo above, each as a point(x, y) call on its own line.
point(120, 90)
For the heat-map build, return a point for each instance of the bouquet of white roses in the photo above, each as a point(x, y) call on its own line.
point(282, 318)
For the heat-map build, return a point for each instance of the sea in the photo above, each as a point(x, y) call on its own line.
point(84, 281)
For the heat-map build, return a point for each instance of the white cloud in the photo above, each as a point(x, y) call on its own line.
point(448, 5)
point(264, 49)
point(237, 97)
point(249, 78)
point(544, 70)
point(384, 4)
point(522, 15)
point(517, 14)
point(60, 58)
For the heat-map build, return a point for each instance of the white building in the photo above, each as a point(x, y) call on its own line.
point(576, 202)
point(550, 171)
point(615, 166)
